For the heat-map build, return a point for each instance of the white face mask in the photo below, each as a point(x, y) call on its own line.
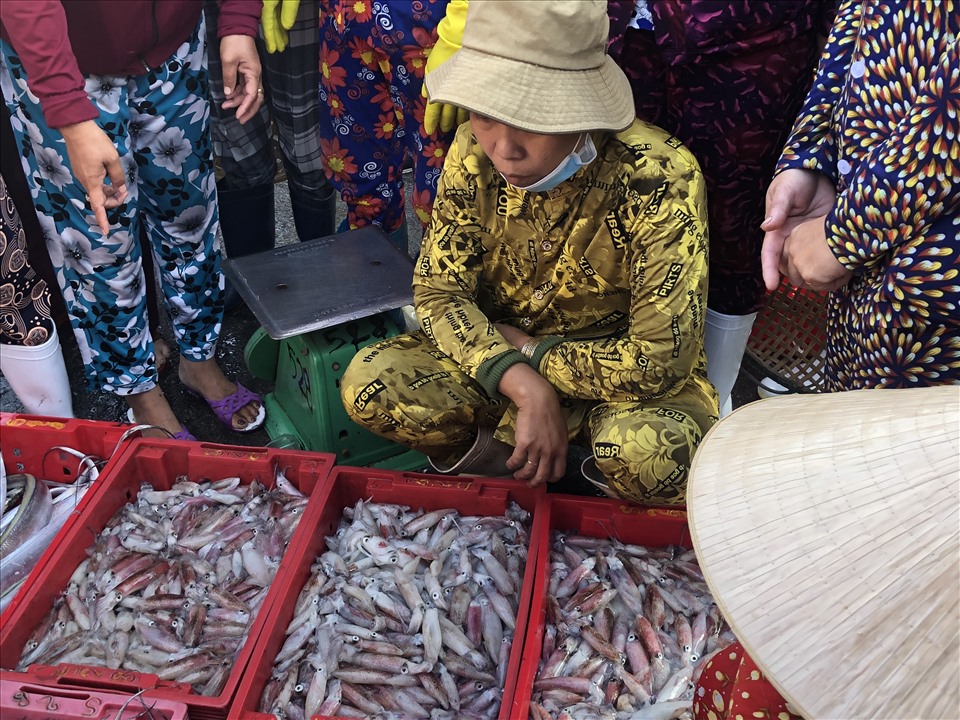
point(567, 168)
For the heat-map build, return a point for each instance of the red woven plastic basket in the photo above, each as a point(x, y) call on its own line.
point(789, 338)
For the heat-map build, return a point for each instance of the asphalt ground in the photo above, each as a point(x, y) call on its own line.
point(237, 329)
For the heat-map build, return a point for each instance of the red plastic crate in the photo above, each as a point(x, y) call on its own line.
point(473, 496)
point(607, 518)
point(27, 442)
point(19, 701)
point(158, 462)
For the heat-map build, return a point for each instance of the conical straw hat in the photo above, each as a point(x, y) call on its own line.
point(828, 528)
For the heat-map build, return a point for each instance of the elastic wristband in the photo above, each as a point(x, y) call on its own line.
point(490, 372)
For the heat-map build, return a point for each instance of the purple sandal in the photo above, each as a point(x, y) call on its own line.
point(225, 409)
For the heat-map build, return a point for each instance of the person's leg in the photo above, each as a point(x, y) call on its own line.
point(245, 193)
point(173, 151)
point(408, 58)
point(100, 276)
point(12, 170)
point(407, 391)
point(734, 115)
point(360, 126)
point(30, 355)
point(644, 450)
point(291, 79)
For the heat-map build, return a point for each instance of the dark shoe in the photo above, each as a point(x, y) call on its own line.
point(487, 457)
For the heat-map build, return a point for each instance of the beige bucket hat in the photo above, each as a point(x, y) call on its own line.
point(537, 65)
point(828, 528)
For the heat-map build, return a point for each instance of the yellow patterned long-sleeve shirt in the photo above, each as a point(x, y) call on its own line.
point(610, 266)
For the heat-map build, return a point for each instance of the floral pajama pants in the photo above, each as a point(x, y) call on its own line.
point(408, 391)
point(159, 123)
point(372, 60)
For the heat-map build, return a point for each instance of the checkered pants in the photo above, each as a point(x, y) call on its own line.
point(290, 82)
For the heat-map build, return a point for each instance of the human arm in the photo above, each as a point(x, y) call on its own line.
point(42, 43)
point(667, 260)
point(896, 210)
point(446, 284)
point(239, 59)
point(449, 39)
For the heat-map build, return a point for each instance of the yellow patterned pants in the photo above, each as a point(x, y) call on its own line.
point(406, 390)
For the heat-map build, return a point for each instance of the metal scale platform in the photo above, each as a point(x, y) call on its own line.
point(319, 302)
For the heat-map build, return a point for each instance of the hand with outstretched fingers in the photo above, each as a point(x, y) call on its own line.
point(241, 75)
point(449, 38)
point(94, 158)
point(794, 197)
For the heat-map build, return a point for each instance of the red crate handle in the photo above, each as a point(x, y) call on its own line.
point(100, 678)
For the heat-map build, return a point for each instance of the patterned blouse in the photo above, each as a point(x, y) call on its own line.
point(882, 121)
point(610, 266)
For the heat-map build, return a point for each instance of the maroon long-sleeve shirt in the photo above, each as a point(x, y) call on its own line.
point(61, 41)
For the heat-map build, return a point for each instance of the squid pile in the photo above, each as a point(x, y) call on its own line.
point(628, 630)
point(173, 582)
point(406, 614)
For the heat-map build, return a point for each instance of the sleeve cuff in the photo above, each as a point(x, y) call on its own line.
point(491, 371)
point(68, 109)
point(548, 343)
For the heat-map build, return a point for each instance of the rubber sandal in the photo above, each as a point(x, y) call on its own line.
point(225, 409)
point(184, 434)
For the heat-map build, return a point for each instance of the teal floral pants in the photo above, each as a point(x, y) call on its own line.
point(160, 124)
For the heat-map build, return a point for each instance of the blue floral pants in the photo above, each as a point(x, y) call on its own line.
point(160, 125)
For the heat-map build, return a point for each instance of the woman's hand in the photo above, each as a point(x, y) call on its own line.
point(808, 261)
point(241, 75)
point(794, 197)
point(93, 158)
point(541, 433)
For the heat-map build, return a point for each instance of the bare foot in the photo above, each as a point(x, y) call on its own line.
point(162, 352)
point(152, 408)
point(208, 381)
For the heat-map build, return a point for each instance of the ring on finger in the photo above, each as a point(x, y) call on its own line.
point(531, 462)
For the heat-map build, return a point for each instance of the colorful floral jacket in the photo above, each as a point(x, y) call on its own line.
point(882, 121)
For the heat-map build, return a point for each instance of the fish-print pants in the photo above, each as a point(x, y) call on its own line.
point(732, 686)
point(408, 391)
point(372, 60)
point(25, 317)
point(159, 123)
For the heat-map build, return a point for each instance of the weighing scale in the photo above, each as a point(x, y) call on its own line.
point(319, 303)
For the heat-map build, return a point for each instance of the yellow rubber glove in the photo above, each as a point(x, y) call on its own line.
point(449, 39)
point(277, 17)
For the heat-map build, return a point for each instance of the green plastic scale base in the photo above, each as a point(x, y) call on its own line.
point(305, 402)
